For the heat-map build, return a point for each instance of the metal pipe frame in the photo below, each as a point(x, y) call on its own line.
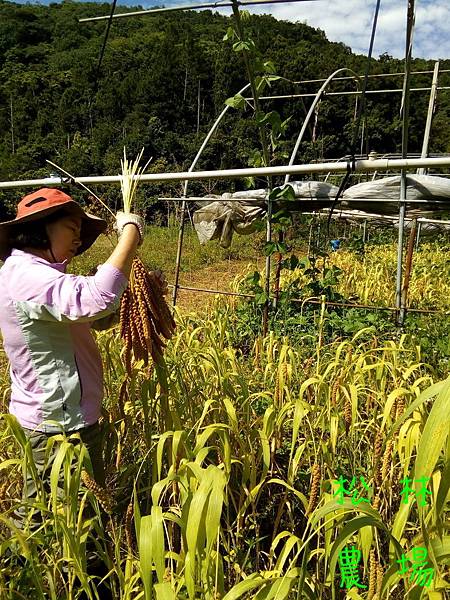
point(434, 203)
point(348, 93)
point(311, 112)
point(430, 112)
point(185, 188)
point(152, 11)
point(312, 301)
point(317, 99)
point(405, 129)
point(343, 214)
point(405, 104)
point(363, 165)
point(374, 76)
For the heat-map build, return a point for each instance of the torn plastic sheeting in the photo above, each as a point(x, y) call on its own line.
point(220, 219)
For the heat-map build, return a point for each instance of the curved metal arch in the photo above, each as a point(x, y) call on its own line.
point(186, 183)
point(311, 111)
point(208, 137)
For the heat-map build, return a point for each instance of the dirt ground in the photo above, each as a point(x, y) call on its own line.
point(219, 276)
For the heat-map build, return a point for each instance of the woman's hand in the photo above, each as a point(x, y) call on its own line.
point(130, 238)
point(123, 219)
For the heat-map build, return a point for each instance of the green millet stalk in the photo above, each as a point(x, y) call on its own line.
point(129, 526)
point(378, 445)
point(372, 575)
point(103, 495)
point(315, 488)
point(386, 460)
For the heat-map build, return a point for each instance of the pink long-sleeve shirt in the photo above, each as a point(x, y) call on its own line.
point(45, 321)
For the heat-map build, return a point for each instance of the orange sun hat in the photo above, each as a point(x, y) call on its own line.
point(42, 203)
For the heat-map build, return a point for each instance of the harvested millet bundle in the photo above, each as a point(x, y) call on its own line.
point(145, 318)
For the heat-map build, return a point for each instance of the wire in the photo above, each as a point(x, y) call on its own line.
point(71, 180)
point(361, 110)
point(105, 39)
point(362, 106)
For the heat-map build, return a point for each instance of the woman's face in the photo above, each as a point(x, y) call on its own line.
point(64, 236)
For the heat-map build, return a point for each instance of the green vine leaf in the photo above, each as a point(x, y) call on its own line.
point(237, 101)
point(282, 217)
point(283, 193)
point(256, 159)
point(244, 46)
point(230, 34)
point(269, 67)
point(261, 298)
point(270, 248)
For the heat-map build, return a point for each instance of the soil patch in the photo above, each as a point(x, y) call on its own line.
point(219, 276)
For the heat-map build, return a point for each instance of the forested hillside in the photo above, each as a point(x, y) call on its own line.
point(162, 82)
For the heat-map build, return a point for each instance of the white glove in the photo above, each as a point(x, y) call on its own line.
point(123, 219)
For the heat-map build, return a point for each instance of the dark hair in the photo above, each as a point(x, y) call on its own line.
point(33, 233)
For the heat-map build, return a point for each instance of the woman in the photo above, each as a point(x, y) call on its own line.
point(47, 314)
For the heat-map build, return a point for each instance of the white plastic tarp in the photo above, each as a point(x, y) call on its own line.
point(239, 212)
point(371, 196)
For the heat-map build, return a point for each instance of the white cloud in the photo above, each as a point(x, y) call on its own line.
point(350, 22)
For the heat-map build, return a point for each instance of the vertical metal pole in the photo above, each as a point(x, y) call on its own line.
point(408, 263)
point(419, 229)
point(403, 182)
point(431, 105)
point(310, 235)
point(185, 83)
point(265, 320)
point(179, 248)
point(363, 127)
point(364, 231)
point(401, 225)
point(198, 107)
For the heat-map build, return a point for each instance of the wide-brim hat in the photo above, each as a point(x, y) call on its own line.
point(42, 203)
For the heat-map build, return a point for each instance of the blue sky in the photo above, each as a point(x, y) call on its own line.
point(350, 21)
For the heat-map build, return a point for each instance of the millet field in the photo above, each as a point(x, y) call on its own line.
point(311, 462)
